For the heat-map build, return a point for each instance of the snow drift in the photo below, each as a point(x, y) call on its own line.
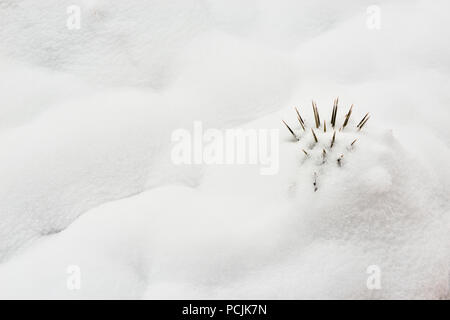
point(87, 179)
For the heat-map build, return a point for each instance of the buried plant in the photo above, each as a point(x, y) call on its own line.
point(326, 145)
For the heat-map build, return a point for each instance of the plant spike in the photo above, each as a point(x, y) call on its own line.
point(302, 124)
point(333, 140)
point(300, 119)
point(315, 137)
point(316, 114)
point(290, 130)
point(324, 126)
point(353, 142)
point(334, 113)
point(305, 152)
point(363, 119)
point(347, 117)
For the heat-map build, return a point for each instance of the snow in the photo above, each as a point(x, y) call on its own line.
point(86, 118)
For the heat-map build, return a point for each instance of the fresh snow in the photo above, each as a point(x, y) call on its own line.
point(86, 118)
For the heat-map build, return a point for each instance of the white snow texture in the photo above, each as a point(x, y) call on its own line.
point(86, 118)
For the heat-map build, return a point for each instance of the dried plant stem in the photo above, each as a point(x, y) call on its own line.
point(333, 140)
point(302, 124)
point(334, 113)
point(362, 121)
point(347, 117)
point(300, 119)
point(316, 114)
point(314, 135)
point(290, 130)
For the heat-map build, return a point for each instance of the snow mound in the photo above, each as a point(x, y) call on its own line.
point(87, 182)
point(380, 208)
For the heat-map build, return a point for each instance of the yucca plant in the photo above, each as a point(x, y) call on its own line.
point(316, 134)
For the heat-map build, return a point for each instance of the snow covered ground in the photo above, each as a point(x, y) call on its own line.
point(92, 204)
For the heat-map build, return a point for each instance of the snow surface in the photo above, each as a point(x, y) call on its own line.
point(86, 118)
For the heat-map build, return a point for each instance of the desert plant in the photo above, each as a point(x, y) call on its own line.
point(318, 147)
